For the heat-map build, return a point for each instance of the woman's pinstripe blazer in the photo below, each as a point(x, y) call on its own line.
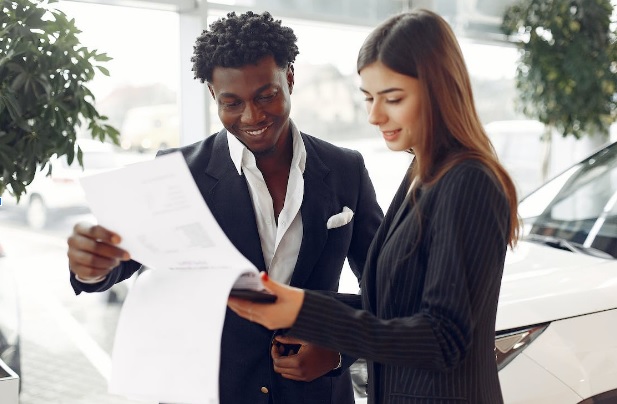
point(429, 295)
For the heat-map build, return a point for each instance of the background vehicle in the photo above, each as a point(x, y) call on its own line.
point(51, 195)
point(557, 316)
point(9, 316)
point(151, 128)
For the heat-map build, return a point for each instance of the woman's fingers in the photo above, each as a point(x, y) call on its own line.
point(280, 314)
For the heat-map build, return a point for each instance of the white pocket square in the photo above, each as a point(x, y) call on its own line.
point(340, 219)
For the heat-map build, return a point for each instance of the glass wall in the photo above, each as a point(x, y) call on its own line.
point(140, 96)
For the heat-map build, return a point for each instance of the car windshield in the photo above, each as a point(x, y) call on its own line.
point(579, 206)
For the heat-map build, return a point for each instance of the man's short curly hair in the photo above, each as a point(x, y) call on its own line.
point(239, 40)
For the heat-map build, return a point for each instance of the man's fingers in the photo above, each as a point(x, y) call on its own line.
point(287, 365)
point(96, 232)
point(78, 243)
point(277, 351)
point(93, 252)
point(87, 259)
point(290, 368)
point(293, 377)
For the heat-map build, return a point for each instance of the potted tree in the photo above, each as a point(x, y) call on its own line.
point(567, 71)
point(43, 95)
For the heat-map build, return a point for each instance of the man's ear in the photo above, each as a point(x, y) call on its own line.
point(211, 91)
point(290, 77)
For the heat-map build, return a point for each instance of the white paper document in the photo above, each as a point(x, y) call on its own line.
point(167, 345)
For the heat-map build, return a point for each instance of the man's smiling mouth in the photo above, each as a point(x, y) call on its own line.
point(258, 131)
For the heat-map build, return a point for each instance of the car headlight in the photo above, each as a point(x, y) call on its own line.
point(510, 343)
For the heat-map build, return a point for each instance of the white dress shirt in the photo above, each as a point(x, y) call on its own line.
point(280, 244)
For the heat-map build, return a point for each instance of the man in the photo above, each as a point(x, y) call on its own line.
point(272, 189)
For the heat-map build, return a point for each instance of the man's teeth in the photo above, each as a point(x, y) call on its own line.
point(256, 132)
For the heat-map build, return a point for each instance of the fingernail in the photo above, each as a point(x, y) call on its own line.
point(264, 276)
point(115, 239)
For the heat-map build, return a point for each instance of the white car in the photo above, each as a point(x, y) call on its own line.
point(10, 329)
point(556, 332)
point(151, 128)
point(556, 336)
point(61, 191)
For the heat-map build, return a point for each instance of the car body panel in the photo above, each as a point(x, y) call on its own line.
point(581, 352)
point(523, 381)
point(542, 284)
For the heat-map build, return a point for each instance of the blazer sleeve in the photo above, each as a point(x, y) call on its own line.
point(124, 271)
point(467, 233)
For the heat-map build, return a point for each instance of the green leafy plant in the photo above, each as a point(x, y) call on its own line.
point(567, 71)
point(43, 97)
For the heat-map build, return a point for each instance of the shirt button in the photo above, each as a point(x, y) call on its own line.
point(264, 390)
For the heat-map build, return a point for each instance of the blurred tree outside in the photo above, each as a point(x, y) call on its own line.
point(567, 70)
point(43, 96)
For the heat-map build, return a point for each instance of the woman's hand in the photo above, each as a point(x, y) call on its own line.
point(280, 314)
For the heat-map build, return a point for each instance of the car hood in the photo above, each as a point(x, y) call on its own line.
point(542, 284)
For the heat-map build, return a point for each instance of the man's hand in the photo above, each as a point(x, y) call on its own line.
point(306, 364)
point(93, 253)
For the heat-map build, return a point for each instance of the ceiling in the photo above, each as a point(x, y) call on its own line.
point(478, 19)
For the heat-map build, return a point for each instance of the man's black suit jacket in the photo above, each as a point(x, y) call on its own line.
point(334, 177)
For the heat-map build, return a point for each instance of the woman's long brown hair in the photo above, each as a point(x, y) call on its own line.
point(422, 45)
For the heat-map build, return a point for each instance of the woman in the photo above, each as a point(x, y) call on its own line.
point(426, 323)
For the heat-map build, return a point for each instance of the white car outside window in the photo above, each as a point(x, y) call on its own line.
point(49, 195)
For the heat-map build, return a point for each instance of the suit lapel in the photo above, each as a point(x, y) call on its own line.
point(398, 218)
point(392, 219)
point(227, 195)
point(369, 277)
point(315, 210)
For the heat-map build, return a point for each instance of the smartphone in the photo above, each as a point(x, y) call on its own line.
point(257, 296)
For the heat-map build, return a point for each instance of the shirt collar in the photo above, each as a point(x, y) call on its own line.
point(238, 152)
